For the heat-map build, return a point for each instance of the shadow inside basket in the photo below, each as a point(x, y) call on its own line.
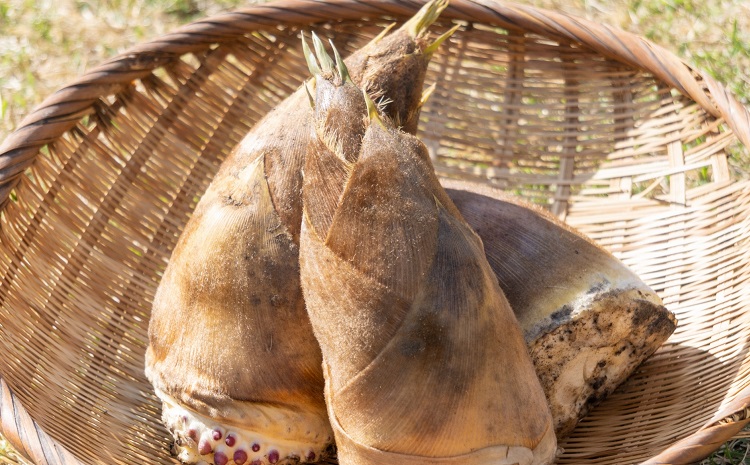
point(666, 399)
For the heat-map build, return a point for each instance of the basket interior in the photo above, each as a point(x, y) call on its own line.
point(629, 161)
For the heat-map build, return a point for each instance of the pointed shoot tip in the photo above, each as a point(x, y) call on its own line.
point(383, 33)
point(310, 96)
point(425, 17)
point(340, 66)
point(432, 48)
point(312, 63)
point(326, 63)
point(427, 93)
point(372, 109)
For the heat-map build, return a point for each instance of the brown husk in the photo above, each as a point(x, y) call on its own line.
point(425, 362)
point(228, 328)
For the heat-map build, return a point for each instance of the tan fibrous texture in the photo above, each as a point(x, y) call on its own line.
point(423, 358)
point(228, 331)
point(588, 320)
point(228, 334)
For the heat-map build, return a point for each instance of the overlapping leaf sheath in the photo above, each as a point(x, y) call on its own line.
point(588, 320)
point(232, 354)
point(424, 360)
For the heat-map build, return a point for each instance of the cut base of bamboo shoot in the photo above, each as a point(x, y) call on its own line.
point(588, 320)
point(593, 345)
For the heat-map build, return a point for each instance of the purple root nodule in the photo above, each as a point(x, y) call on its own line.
point(216, 434)
point(240, 457)
point(220, 458)
point(273, 456)
point(231, 440)
point(256, 447)
point(204, 447)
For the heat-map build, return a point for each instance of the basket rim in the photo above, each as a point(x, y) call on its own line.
point(26, 436)
point(60, 111)
point(63, 109)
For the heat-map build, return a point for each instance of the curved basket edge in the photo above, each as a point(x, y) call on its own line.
point(26, 436)
point(140, 60)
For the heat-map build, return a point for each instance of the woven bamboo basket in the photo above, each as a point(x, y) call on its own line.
point(616, 135)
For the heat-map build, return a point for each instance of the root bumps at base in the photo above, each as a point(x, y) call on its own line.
point(232, 354)
point(424, 360)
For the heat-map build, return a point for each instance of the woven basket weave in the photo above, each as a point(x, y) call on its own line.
point(613, 133)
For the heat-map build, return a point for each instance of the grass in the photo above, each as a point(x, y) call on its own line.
point(733, 452)
point(7, 455)
point(46, 43)
point(722, 51)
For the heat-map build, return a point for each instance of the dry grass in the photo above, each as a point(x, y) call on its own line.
point(44, 44)
point(7, 455)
